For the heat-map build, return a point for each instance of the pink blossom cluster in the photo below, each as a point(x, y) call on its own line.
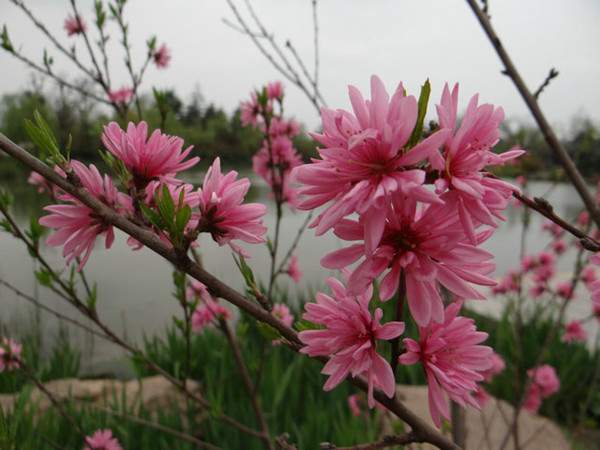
point(543, 383)
point(10, 355)
point(121, 96)
point(277, 156)
point(208, 310)
point(152, 163)
point(102, 440)
point(74, 25)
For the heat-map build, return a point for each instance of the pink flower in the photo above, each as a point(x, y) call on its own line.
point(121, 96)
point(546, 259)
point(453, 361)
point(528, 263)
point(521, 180)
point(588, 276)
point(102, 440)
point(565, 290)
point(222, 213)
point(545, 378)
point(429, 244)
point(353, 405)
point(349, 337)
point(282, 312)
point(275, 90)
point(533, 399)
point(559, 246)
point(78, 226)
point(583, 219)
point(537, 290)
point(498, 365)
point(553, 228)
point(365, 159)
point(10, 355)
point(508, 283)
point(43, 186)
point(574, 332)
point(281, 127)
point(466, 154)
point(293, 269)
point(162, 56)
point(74, 25)
point(207, 313)
point(250, 111)
point(158, 157)
point(197, 290)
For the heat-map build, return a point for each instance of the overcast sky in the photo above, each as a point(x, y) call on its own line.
point(407, 40)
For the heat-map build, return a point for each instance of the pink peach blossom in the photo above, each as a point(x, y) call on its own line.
point(365, 159)
point(208, 312)
point(498, 365)
point(162, 57)
point(293, 269)
point(429, 244)
point(121, 96)
point(588, 275)
point(349, 337)
point(222, 213)
point(74, 25)
point(282, 312)
point(565, 290)
point(533, 399)
point(102, 440)
point(10, 354)
point(159, 156)
point(574, 332)
point(559, 246)
point(78, 226)
point(554, 229)
point(250, 111)
point(275, 90)
point(537, 290)
point(545, 378)
point(282, 127)
point(453, 361)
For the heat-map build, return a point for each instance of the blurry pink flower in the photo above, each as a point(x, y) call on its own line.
point(429, 244)
point(509, 283)
point(208, 312)
point(275, 166)
point(250, 111)
point(546, 258)
point(159, 156)
point(533, 399)
point(365, 159)
point(121, 96)
point(543, 273)
point(574, 332)
point(102, 440)
point(498, 365)
point(467, 151)
point(588, 276)
point(162, 56)
point(553, 228)
point(222, 213)
point(349, 337)
point(528, 263)
point(74, 25)
point(521, 180)
point(282, 312)
point(10, 355)
point(293, 269)
point(583, 219)
point(537, 290)
point(275, 90)
point(78, 226)
point(453, 361)
point(545, 378)
point(197, 290)
point(353, 405)
point(559, 246)
point(565, 290)
point(281, 127)
point(43, 186)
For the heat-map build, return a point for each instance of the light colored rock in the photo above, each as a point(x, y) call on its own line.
point(538, 433)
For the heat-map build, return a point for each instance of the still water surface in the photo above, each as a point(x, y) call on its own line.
point(135, 286)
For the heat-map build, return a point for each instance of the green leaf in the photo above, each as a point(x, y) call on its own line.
point(423, 101)
point(5, 42)
point(92, 298)
point(43, 138)
point(43, 277)
point(182, 218)
point(246, 272)
point(302, 325)
point(267, 331)
point(152, 216)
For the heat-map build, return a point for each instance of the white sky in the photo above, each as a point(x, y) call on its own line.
point(407, 40)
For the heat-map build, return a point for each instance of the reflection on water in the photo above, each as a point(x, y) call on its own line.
point(135, 286)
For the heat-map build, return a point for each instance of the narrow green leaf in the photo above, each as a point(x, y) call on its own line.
point(423, 101)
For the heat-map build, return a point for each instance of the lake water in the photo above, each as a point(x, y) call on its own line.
point(135, 286)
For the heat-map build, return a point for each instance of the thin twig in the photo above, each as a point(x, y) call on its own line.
point(551, 138)
point(552, 74)
point(386, 441)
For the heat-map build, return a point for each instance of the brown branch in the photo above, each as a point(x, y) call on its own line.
point(386, 441)
point(531, 102)
point(252, 394)
point(100, 77)
point(148, 238)
point(552, 74)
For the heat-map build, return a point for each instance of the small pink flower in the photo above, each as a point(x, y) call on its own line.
point(43, 186)
point(207, 313)
point(275, 90)
point(162, 57)
point(74, 25)
point(565, 290)
point(537, 290)
point(528, 263)
point(282, 312)
point(521, 180)
point(349, 337)
point(281, 127)
point(583, 219)
point(543, 274)
point(545, 378)
point(554, 229)
point(10, 355)
point(353, 405)
point(222, 213)
point(498, 365)
point(78, 226)
point(559, 246)
point(365, 159)
point(250, 110)
point(102, 440)
point(453, 361)
point(533, 399)
point(293, 269)
point(121, 96)
point(507, 284)
point(574, 332)
point(546, 259)
point(197, 290)
point(588, 275)
point(159, 156)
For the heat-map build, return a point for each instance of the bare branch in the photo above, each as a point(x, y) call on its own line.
point(537, 113)
point(552, 74)
point(386, 441)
